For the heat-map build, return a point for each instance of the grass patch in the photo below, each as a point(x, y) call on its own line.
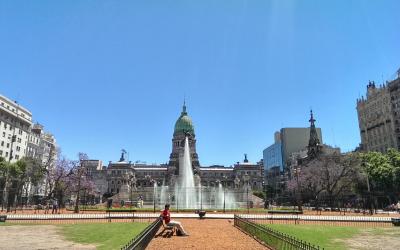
point(23, 224)
point(323, 236)
point(104, 236)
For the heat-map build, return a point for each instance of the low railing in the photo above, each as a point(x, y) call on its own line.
point(143, 239)
point(270, 237)
point(361, 221)
point(80, 218)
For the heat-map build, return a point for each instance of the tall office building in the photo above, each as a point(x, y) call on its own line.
point(287, 142)
point(272, 156)
point(295, 140)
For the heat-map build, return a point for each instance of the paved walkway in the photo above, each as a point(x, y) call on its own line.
point(36, 237)
point(206, 234)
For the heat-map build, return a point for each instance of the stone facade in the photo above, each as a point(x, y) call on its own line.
point(41, 146)
point(125, 177)
point(19, 138)
point(394, 91)
point(15, 125)
point(375, 118)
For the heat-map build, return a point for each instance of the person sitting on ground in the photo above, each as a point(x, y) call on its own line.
point(167, 218)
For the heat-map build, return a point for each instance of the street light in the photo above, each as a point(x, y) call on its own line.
point(246, 179)
point(201, 198)
point(130, 182)
point(154, 182)
point(264, 184)
point(224, 179)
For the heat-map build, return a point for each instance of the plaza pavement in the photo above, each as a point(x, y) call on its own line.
point(206, 234)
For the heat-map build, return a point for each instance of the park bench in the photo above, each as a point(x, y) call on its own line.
point(110, 211)
point(284, 212)
point(396, 222)
point(3, 218)
point(201, 213)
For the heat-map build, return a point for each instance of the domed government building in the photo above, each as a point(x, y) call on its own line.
point(123, 178)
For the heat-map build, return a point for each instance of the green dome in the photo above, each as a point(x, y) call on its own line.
point(184, 123)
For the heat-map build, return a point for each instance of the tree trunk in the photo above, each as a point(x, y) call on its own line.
point(4, 203)
point(76, 210)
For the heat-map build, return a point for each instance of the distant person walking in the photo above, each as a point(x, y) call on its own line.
point(140, 203)
point(47, 207)
point(55, 206)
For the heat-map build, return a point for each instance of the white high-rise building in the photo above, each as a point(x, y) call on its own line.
point(15, 126)
point(20, 138)
point(41, 146)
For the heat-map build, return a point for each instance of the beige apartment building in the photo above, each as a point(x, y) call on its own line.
point(375, 119)
point(19, 138)
point(15, 125)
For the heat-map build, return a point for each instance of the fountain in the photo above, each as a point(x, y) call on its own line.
point(188, 194)
point(185, 190)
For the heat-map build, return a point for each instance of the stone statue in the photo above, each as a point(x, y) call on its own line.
point(237, 182)
point(197, 180)
point(123, 152)
point(133, 182)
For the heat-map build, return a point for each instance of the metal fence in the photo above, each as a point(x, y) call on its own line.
point(270, 237)
point(143, 239)
point(79, 218)
point(359, 221)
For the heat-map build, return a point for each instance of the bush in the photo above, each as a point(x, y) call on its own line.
point(259, 194)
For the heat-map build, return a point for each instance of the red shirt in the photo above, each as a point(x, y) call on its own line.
point(166, 216)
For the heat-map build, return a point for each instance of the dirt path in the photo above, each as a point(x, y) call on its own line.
point(36, 237)
point(387, 238)
point(207, 234)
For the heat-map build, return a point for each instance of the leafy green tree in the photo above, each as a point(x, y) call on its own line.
point(382, 172)
point(4, 169)
point(378, 169)
point(394, 160)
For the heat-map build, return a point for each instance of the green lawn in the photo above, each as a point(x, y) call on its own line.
point(104, 236)
point(323, 236)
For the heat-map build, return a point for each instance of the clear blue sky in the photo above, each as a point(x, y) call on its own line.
point(106, 75)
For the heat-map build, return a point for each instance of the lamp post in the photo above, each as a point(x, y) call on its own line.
point(264, 184)
point(224, 179)
point(246, 179)
point(201, 198)
point(154, 182)
point(247, 191)
point(177, 200)
point(130, 182)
